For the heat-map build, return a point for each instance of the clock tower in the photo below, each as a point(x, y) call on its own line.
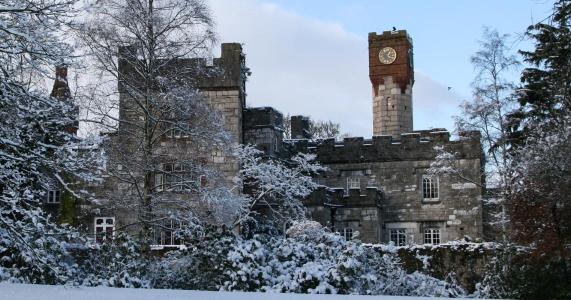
point(392, 76)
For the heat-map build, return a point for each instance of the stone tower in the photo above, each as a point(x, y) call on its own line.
point(392, 76)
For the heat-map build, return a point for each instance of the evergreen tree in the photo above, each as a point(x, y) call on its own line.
point(546, 91)
point(38, 151)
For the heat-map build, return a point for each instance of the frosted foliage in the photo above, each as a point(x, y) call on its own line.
point(274, 185)
point(116, 263)
point(311, 229)
point(327, 264)
point(36, 151)
point(444, 162)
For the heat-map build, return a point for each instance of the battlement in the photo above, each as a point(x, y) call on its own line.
point(418, 145)
point(225, 72)
point(391, 34)
point(261, 117)
point(339, 197)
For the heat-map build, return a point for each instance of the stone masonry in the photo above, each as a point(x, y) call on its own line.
point(391, 83)
point(375, 186)
point(378, 188)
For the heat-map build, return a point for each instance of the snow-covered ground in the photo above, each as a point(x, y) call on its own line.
point(10, 291)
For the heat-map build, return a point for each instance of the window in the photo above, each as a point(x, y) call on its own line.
point(159, 181)
point(165, 233)
point(178, 130)
point(398, 236)
point(432, 236)
point(348, 234)
point(177, 177)
point(53, 196)
point(353, 183)
point(104, 228)
point(430, 187)
point(276, 144)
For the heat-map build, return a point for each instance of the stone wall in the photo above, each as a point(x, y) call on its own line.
point(339, 209)
point(464, 262)
point(222, 86)
point(396, 168)
point(392, 108)
point(263, 127)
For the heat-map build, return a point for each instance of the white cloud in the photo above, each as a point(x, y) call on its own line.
point(306, 66)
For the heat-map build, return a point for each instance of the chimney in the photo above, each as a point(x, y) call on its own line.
point(61, 88)
point(300, 127)
point(62, 92)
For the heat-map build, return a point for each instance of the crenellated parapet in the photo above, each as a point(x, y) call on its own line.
point(263, 127)
point(418, 145)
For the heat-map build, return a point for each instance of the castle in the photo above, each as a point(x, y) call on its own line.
point(378, 187)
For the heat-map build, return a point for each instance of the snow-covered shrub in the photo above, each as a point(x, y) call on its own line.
point(115, 263)
point(198, 266)
point(35, 258)
point(324, 264)
point(309, 228)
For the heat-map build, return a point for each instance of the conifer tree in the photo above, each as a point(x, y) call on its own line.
point(546, 91)
point(38, 151)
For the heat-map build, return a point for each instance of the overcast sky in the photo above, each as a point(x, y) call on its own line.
point(310, 57)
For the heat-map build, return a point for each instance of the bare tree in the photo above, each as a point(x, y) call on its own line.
point(317, 129)
point(166, 134)
point(488, 113)
point(493, 101)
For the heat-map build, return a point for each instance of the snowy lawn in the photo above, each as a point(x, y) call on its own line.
point(9, 291)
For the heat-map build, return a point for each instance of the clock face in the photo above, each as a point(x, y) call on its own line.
point(387, 55)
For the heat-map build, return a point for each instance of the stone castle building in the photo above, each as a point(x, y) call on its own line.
point(378, 187)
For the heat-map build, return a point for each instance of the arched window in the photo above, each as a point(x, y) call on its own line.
point(429, 187)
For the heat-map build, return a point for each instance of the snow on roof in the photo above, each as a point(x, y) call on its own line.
point(12, 291)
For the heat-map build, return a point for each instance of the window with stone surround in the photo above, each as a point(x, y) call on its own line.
point(348, 234)
point(398, 236)
point(165, 234)
point(104, 228)
point(178, 130)
point(177, 177)
point(353, 183)
point(53, 196)
point(429, 187)
point(432, 236)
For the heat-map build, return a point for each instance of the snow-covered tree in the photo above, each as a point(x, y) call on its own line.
point(116, 263)
point(538, 182)
point(38, 148)
point(488, 113)
point(546, 92)
point(165, 132)
point(275, 187)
